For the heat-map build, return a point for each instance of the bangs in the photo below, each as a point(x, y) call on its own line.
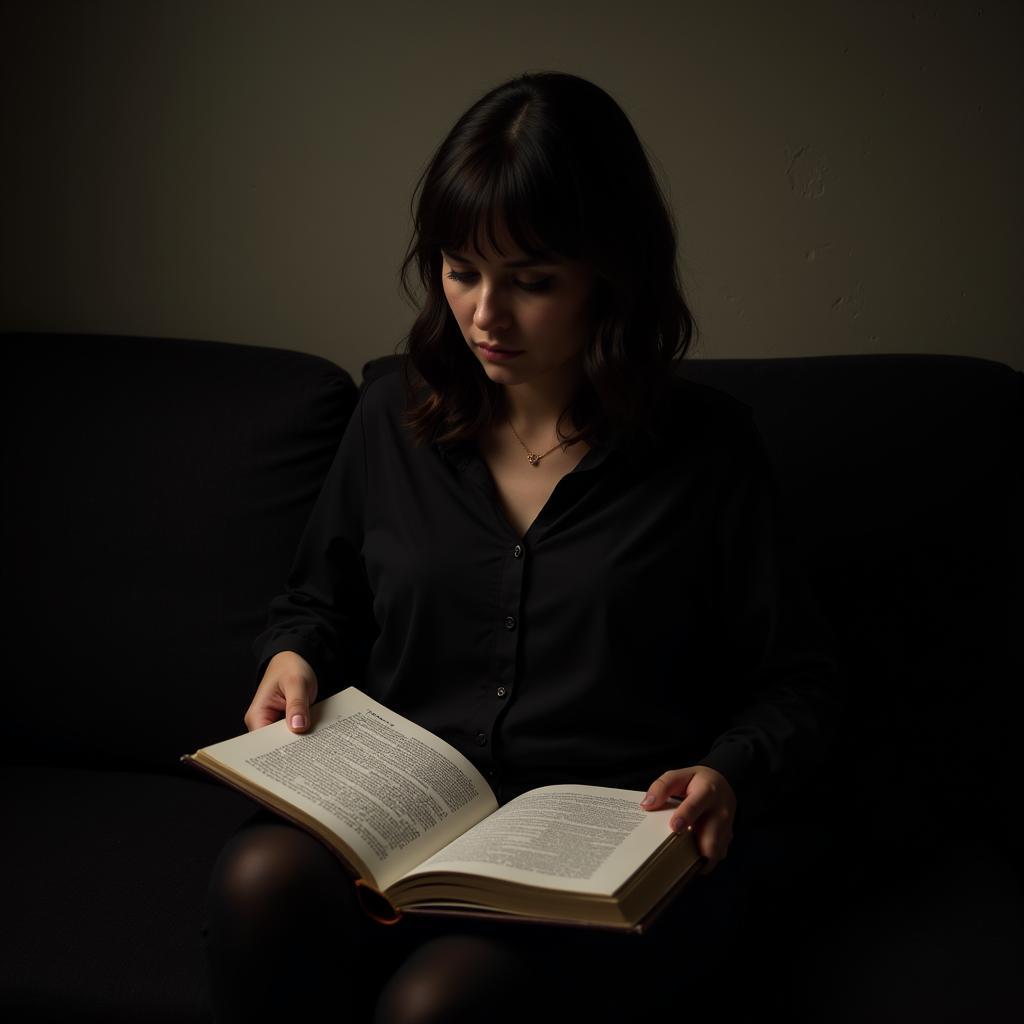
point(474, 203)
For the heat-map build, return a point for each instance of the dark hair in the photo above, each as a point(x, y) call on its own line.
point(553, 158)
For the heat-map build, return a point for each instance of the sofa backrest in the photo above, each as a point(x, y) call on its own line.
point(154, 494)
point(903, 478)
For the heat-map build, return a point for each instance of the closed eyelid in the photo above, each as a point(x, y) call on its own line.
point(542, 286)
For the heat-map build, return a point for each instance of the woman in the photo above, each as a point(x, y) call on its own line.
point(545, 546)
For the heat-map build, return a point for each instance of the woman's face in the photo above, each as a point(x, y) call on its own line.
point(534, 315)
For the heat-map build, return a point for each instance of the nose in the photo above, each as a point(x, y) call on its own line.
point(489, 315)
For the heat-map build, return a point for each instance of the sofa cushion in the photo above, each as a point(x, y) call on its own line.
point(106, 875)
point(155, 492)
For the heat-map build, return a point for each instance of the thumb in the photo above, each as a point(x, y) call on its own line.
point(296, 711)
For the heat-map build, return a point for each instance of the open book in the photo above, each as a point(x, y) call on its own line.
point(422, 832)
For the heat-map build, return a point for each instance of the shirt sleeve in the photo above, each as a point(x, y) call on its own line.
point(779, 656)
point(325, 613)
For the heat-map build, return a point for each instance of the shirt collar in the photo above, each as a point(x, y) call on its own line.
point(460, 453)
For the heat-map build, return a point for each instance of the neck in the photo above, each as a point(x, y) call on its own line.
point(534, 408)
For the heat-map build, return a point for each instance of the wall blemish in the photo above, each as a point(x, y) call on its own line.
point(811, 255)
point(806, 172)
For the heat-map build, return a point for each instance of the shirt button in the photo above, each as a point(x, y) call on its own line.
point(510, 622)
point(517, 551)
point(501, 691)
point(481, 738)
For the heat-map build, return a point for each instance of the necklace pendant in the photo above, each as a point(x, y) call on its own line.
point(534, 459)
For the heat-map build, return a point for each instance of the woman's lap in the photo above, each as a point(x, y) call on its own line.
point(317, 927)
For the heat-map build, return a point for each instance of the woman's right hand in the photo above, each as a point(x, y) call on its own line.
point(288, 687)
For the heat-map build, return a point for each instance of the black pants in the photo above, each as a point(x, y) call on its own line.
point(284, 935)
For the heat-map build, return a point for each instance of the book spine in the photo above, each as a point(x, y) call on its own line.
point(376, 904)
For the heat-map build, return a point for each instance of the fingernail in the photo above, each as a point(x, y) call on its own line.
point(298, 721)
point(647, 801)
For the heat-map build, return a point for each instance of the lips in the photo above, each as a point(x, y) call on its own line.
point(496, 354)
point(496, 348)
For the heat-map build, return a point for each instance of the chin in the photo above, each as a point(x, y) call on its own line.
point(499, 371)
point(502, 374)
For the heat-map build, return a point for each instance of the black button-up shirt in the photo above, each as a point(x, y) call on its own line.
point(648, 620)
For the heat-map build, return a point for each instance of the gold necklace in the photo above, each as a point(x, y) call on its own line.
point(534, 459)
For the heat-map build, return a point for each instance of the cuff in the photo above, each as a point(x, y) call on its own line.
point(734, 758)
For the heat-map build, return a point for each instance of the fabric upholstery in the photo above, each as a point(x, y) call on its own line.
point(155, 491)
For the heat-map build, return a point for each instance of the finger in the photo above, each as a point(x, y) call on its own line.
point(259, 717)
point(714, 834)
point(668, 784)
point(263, 711)
point(688, 813)
point(704, 794)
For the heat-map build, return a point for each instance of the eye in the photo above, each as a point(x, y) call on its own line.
point(465, 276)
point(542, 285)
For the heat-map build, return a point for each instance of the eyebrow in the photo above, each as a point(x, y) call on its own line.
point(530, 261)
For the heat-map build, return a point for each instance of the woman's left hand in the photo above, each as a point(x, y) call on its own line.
point(708, 808)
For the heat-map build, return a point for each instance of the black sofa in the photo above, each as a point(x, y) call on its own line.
point(154, 492)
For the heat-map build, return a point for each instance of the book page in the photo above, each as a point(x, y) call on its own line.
point(392, 790)
point(586, 839)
